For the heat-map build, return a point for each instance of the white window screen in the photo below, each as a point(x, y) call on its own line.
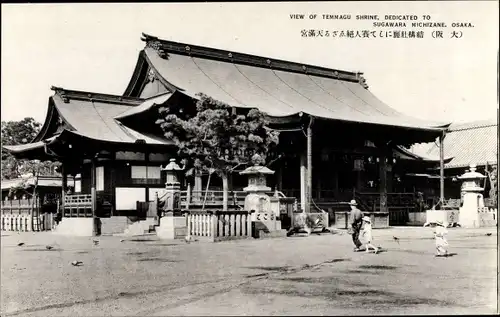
point(99, 177)
point(78, 183)
point(145, 172)
point(127, 198)
point(154, 172)
point(139, 172)
point(78, 186)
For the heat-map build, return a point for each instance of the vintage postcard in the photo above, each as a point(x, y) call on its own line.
point(282, 158)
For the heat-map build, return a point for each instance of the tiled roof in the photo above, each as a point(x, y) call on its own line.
point(145, 106)
point(96, 120)
point(43, 181)
point(94, 116)
point(474, 142)
point(407, 154)
point(278, 88)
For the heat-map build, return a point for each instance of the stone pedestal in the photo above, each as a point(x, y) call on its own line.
point(445, 216)
point(80, 227)
point(172, 228)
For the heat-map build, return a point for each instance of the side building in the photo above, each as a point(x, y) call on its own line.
point(466, 143)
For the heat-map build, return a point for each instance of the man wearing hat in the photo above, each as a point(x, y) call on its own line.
point(357, 222)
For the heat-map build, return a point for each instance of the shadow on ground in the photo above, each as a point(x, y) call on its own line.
point(157, 260)
point(270, 268)
point(327, 288)
point(141, 240)
point(378, 267)
point(333, 280)
point(336, 261)
point(41, 250)
point(447, 255)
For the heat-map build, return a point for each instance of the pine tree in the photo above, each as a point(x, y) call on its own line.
point(218, 138)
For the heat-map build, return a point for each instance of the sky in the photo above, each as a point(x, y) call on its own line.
point(94, 47)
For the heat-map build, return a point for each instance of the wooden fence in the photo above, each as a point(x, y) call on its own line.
point(219, 225)
point(43, 222)
point(25, 215)
point(488, 217)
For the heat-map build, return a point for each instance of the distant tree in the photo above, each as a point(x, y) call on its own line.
point(19, 132)
point(216, 139)
point(22, 132)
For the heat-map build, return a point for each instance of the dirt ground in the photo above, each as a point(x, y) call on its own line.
point(316, 275)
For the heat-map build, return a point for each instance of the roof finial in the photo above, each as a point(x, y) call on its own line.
point(55, 88)
point(146, 37)
point(362, 80)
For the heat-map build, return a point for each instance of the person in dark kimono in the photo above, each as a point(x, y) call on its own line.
point(357, 223)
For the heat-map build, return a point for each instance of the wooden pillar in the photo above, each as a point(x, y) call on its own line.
point(279, 178)
point(188, 193)
point(309, 167)
point(93, 180)
point(335, 177)
point(359, 181)
point(389, 177)
point(441, 167)
point(64, 186)
point(383, 181)
point(303, 170)
point(198, 187)
point(318, 186)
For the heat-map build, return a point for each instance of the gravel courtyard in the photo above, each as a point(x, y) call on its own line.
point(316, 275)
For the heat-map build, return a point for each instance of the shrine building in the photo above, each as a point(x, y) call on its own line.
point(338, 141)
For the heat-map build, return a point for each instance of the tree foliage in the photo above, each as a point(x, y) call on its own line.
point(22, 132)
point(217, 139)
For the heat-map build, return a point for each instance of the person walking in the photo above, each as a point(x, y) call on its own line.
point(357, 222)
point(441, 241)
point(367, 235)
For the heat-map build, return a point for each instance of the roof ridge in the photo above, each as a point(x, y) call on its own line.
point(473, 127)
point(163, 46)
point(67, 94)
point(158, 95)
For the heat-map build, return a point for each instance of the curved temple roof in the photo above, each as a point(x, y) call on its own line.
point(276, 87)
point(92, 116)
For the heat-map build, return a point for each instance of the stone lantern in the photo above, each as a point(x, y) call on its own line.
point(257, 200)
point(472, 198)
point(172, 187)
point(172, 225)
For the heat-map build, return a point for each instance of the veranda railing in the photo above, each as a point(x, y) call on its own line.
point(214, 198)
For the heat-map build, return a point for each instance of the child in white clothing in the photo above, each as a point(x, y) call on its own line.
point(367, 235)
point(440, 236)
